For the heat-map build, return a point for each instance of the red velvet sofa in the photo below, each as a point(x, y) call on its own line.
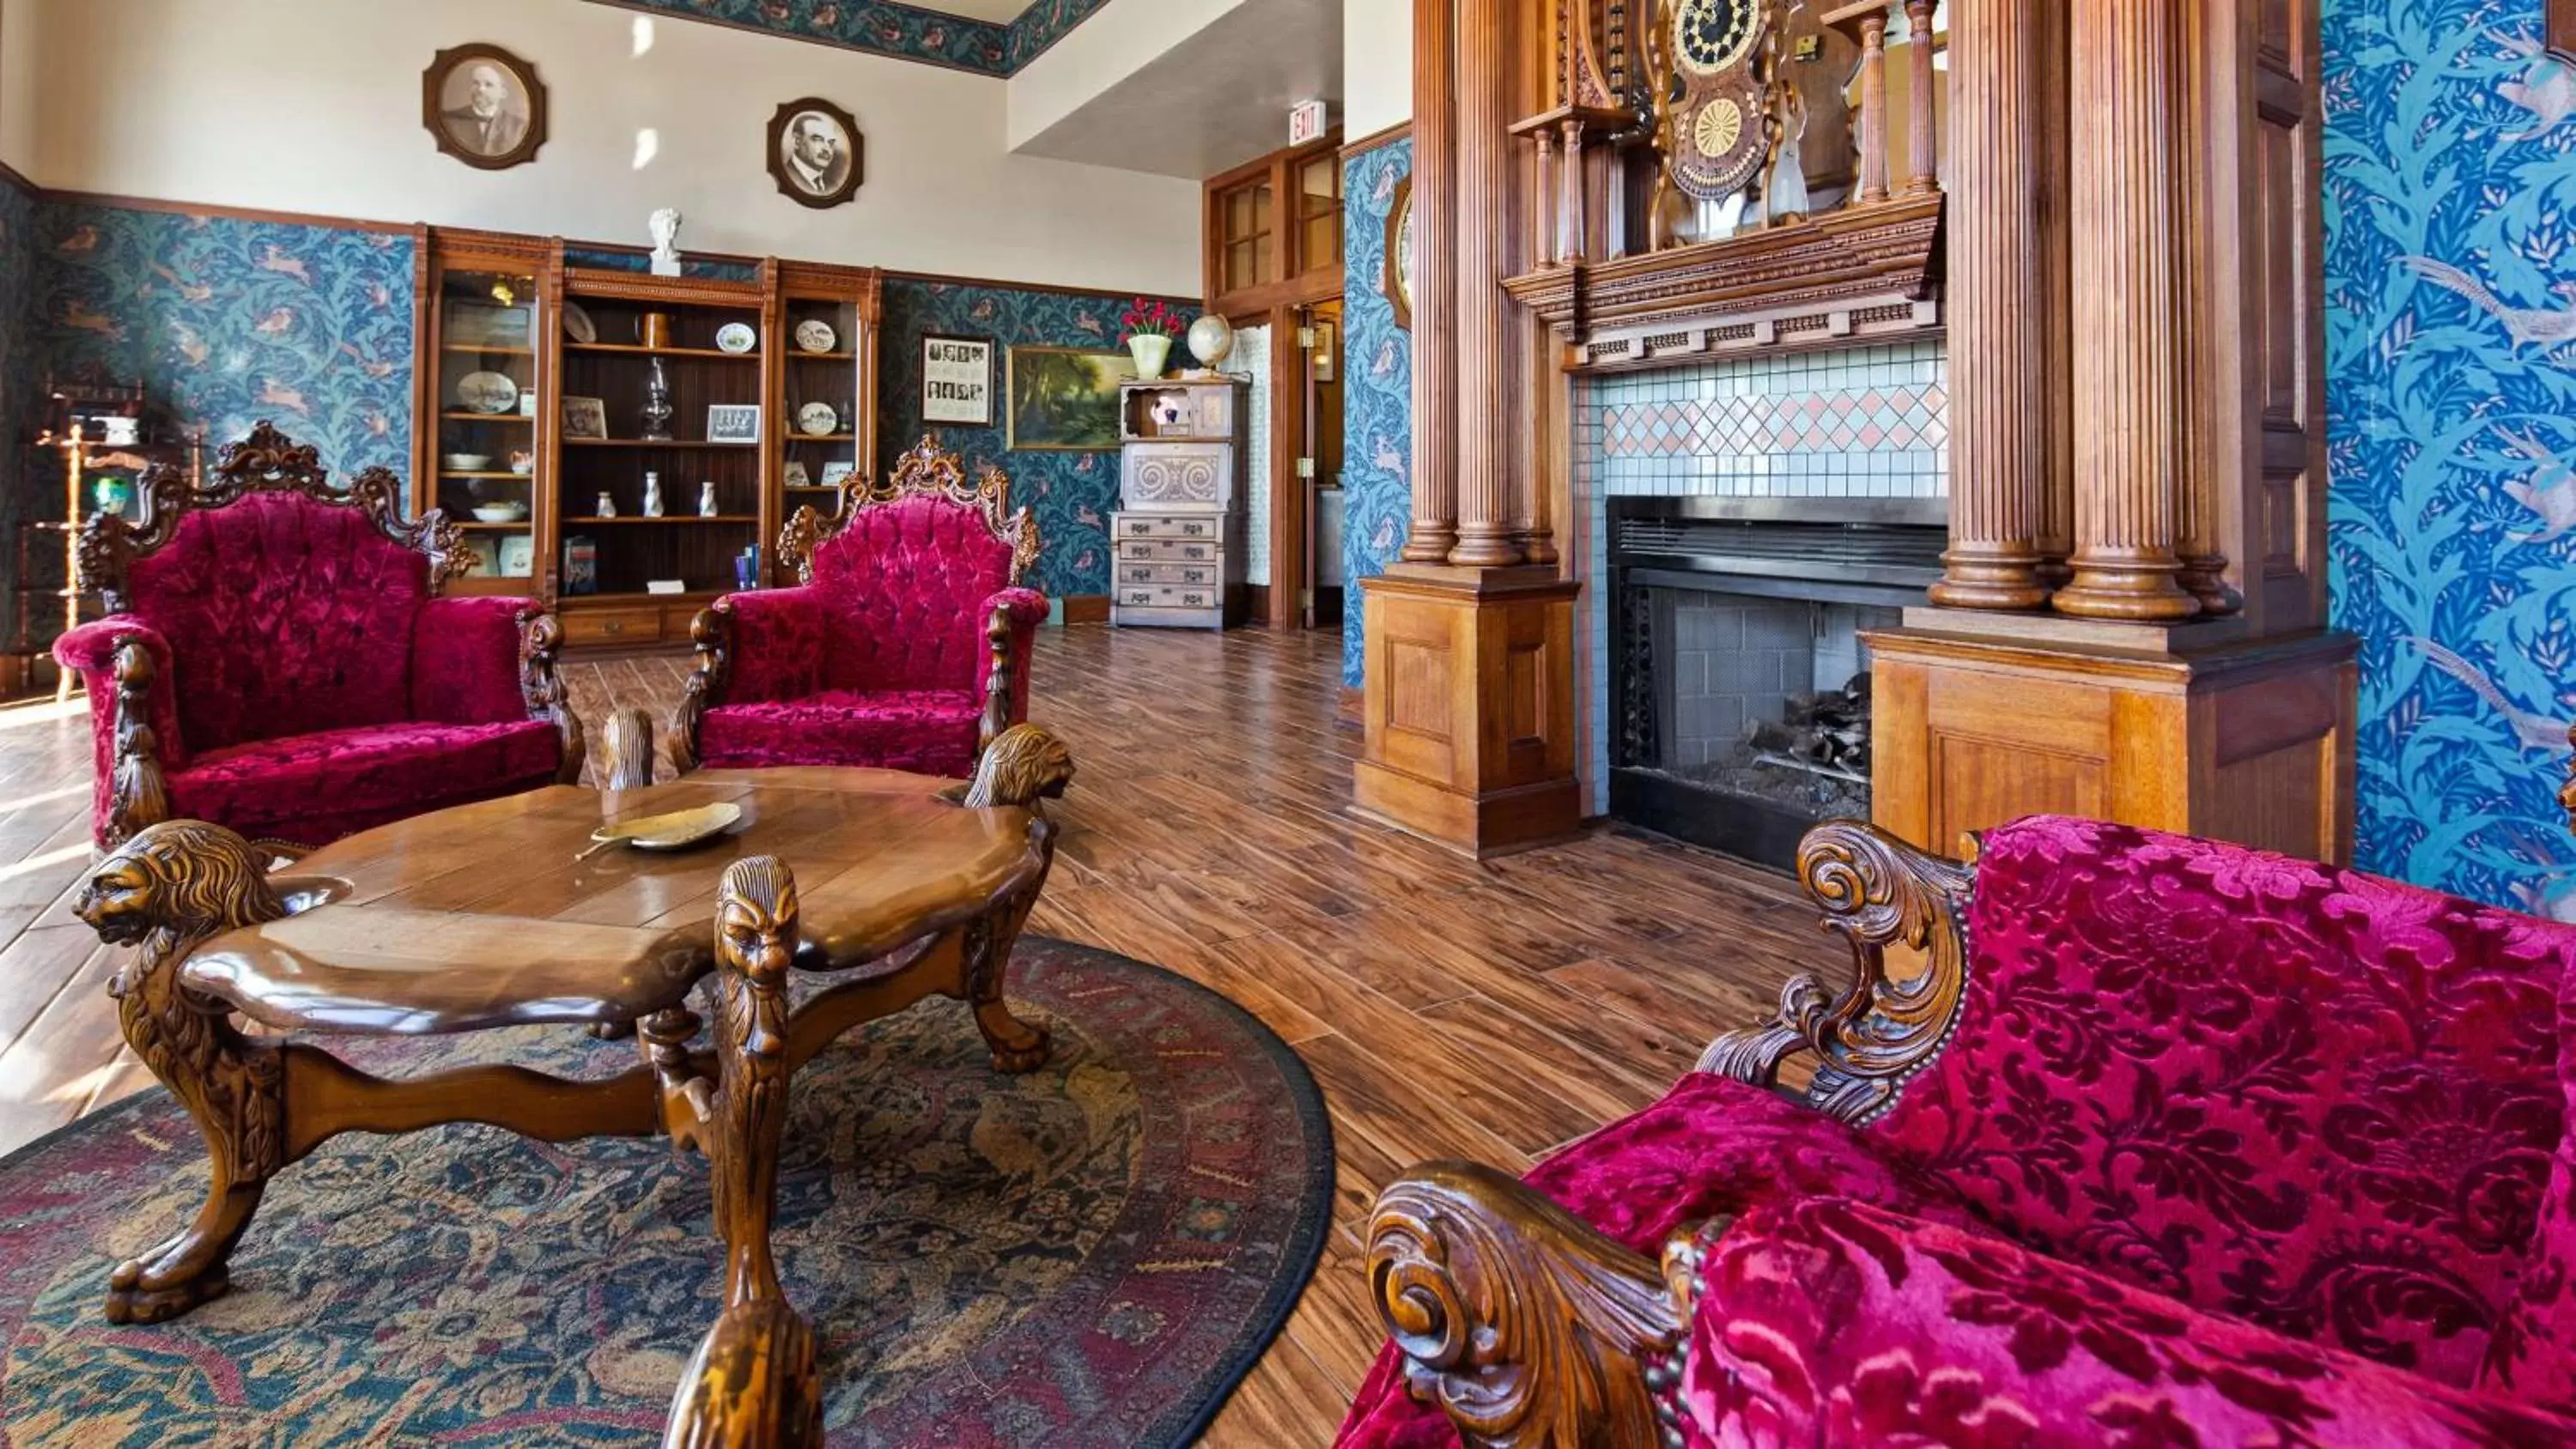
point(2168, 1143)
point(905, 645)
point(276, 659)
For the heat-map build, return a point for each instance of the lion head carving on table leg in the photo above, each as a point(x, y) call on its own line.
point(1023, 765)
point(186, 877)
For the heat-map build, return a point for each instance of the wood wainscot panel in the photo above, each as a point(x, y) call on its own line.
point(1468, 707)
point(2240, 740)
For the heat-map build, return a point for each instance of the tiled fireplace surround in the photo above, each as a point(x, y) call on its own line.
point(1859, 422)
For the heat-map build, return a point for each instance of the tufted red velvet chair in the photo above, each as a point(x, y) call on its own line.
point(276, 659)
point(905, 646)
point(2160, 1142)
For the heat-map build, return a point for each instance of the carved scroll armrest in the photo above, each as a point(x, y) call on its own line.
point(711, 632)
point(1874, 1036)
point(1011, 617)
point(1519, 1321)
point(541, 644)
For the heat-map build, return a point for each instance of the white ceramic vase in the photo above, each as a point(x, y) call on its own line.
point(1152, 350)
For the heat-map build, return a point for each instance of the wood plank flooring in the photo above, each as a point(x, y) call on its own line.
point(1448, 1009)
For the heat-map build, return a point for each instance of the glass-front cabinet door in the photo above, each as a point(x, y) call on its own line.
point(486, 374)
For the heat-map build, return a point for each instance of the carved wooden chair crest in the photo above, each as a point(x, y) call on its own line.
point(926, 470)
point(266, 461)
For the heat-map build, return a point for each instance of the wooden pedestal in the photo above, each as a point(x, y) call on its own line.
point(2189, 728)
point(1469, 706)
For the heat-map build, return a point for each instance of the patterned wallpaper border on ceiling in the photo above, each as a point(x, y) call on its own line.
point(1377, 389)
point(1071, 493)
point(885, 27)
point(2450, 196)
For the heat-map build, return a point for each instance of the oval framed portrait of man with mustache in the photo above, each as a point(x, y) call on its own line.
point(816, 154)
point(484, 106)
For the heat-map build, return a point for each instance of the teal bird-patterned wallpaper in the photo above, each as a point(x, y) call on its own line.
point(1377, 389)
point(2450, 207)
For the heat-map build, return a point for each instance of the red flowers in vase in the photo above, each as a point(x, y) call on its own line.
point(1150, 319)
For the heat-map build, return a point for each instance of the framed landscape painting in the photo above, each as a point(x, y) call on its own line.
point(1065, 399)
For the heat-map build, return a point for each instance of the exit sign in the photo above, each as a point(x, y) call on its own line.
point(1305, 122)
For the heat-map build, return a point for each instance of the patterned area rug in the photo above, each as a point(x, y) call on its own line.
point(1092, 1254)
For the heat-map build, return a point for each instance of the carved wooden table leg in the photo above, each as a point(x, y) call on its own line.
point(169, 889)
point(1024, 767)
point(753, 1380)
point(627, 739)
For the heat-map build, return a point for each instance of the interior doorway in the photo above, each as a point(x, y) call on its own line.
point(1320, 336)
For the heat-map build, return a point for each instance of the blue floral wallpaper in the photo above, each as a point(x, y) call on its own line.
point(1072, 494)
point(228, 322)
point(1377, 388)
point(2450, 196)
point(889, 28)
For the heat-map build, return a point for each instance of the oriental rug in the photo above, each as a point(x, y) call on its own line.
point(1089, 1255)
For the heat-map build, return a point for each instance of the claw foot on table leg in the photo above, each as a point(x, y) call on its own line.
point(1017, 1046)
point(185, 1270)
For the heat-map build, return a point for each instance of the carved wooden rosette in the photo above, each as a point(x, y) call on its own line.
point(927, 470)
point(267, 461)
point(712, 633)
point(1523, 1324)
point(540, 645)
point(752, 1381)
point(1876, 1035)
point(170, 889)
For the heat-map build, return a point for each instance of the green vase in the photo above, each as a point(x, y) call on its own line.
point(1151, 350)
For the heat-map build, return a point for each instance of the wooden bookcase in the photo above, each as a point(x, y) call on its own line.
point(609, 601)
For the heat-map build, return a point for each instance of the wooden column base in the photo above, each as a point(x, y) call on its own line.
point(2195, 728)
point(1469, 706)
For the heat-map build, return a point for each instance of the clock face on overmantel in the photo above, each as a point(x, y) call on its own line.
point(1711, 35)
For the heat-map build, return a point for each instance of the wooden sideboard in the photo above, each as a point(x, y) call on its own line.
point(1180, 529)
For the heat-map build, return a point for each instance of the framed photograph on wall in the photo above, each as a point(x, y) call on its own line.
point(733, 423)
point(1065, 399)
point(816, 154)
point(957, 380)
point(484, 106)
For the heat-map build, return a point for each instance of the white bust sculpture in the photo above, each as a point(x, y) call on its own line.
point(666, 235)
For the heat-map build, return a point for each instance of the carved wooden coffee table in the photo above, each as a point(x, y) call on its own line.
point(481, 917)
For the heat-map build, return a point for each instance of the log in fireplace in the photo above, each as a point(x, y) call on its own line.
point(1741, 697)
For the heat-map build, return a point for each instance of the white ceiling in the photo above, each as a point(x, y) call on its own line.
point(1004, 11)
point(1214, 101)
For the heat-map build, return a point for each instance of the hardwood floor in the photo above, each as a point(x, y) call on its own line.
point(1448, 1009)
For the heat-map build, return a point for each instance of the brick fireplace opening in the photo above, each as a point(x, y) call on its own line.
point(1739, 678)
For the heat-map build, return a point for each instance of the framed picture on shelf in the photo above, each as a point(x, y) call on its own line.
point(585, 417)
point(797, 477)
point(733, 423)
point(1065, 399)
point(957, 380)
point(836, 474)
point(518, 556)
point(483, 106)
point(487, 324)
point(483, 557)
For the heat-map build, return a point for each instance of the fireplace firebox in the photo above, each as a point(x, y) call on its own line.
point(1741, 699)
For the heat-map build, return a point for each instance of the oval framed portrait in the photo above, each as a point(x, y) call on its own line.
point(816, 154)
point(484, 106)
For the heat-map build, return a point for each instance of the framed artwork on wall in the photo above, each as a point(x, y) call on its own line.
point(484, 106)
point(1398, 282)
point(816, 154)
point(1065, 399)
point(957, 380)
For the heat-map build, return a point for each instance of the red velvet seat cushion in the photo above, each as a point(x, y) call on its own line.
point(315, 788)
point(2309, 1098)
point(1710, 1146)
point(924, 731)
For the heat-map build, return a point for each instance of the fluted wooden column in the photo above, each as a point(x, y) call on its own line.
point(1922, 132)
point(1435, 287)
point(1489, 505)
point(2204, 561)
point(1998, 326)
point(2056, 300)
point(1873, 109)
point(2127, 159)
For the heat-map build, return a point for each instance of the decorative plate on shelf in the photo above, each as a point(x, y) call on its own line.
point(577, 324)
point(815, 419)
point(487, 392)
point(816, 335)
point(736, 337)
point(510, 512)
